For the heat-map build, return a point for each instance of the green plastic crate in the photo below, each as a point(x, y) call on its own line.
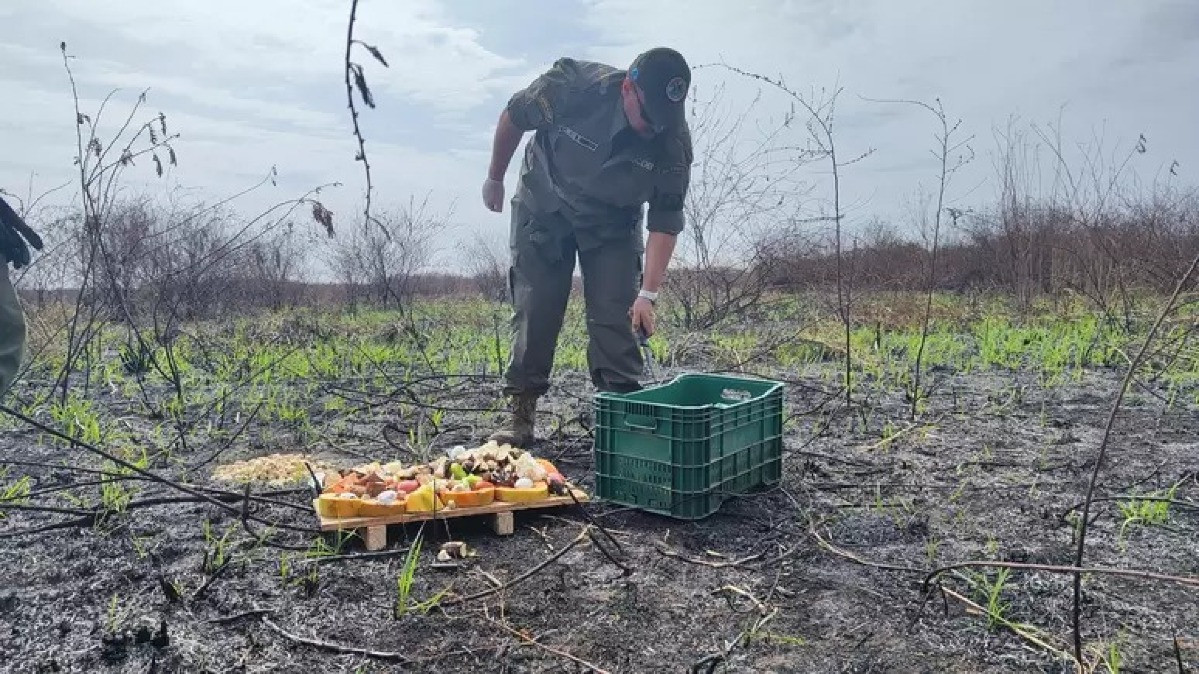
point(681, 448)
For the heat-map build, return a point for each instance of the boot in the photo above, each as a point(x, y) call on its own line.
point(519, 433)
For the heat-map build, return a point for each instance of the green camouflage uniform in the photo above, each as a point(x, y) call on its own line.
point(584, 179)
point(15, 239)
point(12, 329)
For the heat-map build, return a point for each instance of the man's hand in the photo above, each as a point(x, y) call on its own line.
point(642, 314)
point(658, 250)
point(14, 234)
point(493, 195)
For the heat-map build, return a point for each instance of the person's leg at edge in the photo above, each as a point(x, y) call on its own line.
point(12, 330)
point(611, 275)
point(543, 261)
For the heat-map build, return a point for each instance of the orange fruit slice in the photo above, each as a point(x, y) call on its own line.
point(372, 508)
point(468, 499)
point(522, 495)
point(333, 505)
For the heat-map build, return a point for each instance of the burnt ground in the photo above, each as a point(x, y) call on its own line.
point(986, 474)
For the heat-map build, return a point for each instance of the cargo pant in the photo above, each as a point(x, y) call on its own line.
point(12, 330)
point(544, 249)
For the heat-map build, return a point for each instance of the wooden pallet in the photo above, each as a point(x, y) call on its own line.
point(373, 530)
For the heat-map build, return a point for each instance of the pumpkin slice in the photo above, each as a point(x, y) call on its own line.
point(468, 499)
point(549, 467)
point(325, 504)
point(337, 505)
point(374, 508)
point(522, 494)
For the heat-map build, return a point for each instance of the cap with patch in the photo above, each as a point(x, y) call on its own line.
point(664, 77)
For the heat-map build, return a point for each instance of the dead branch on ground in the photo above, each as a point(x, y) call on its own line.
point(669, 552)
point(528, 638)
point(335, 648)
point(583, 535)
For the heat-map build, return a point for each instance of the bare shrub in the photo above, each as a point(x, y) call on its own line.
point(380, 261)
point(742, 186)
point(485, 261)
point(277, 268)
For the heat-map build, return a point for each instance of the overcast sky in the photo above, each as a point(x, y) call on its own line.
point(252, 84)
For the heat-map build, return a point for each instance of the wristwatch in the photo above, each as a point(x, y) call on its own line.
point(652, 297)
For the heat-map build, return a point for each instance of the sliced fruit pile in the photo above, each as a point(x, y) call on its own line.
point(462, 479)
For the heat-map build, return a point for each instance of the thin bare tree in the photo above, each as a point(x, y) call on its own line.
point(820, 125)
point(742, 185)
point(950, 155)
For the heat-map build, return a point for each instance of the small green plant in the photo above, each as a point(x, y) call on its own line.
point(783, 639)
point(1151, 511)
point(17, 492)
point(878, 506)
point(216, 553)
point(140, 547)
point(1112, 658)
point(930, 550)
point(116, 615)
point(114, 495)
point(321, 547)
point(889, 431)
point(992, 596)
point(407, 577)
point(992, 547)
point(1075, 521)
point(284, 567)
point(957, 494)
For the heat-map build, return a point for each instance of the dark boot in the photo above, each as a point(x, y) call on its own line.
point(519, 433)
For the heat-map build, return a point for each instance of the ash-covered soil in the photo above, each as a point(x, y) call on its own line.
point(822, 573)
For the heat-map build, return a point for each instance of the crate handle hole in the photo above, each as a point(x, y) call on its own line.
point(735, 394)
point(643, 422)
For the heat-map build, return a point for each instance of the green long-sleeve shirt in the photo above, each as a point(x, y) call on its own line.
point(588, 163)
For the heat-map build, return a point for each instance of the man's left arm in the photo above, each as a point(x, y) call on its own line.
point(664, 223)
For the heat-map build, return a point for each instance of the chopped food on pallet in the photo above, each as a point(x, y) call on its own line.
point(464, 478)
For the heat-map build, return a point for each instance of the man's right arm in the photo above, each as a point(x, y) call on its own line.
point(507, 139)
point(530, 109)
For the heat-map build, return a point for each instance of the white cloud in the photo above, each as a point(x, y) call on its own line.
point(1109, 64)
point(251, 84)
point(293, 39)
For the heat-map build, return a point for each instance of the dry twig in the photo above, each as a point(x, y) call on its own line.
point(744, 593)
point(527, 638)
point(854, 558)
point(662, 548)
point(252, 613)
point(524, 576)
point(335, 648)
point(1189, 581)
